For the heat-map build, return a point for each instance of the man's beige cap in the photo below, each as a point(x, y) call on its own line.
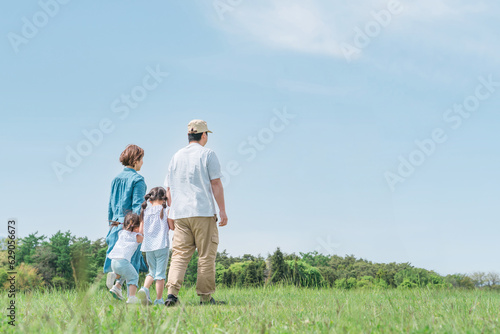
point(198, 126)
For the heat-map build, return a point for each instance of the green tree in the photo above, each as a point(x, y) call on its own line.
point(3, 276)
point(479, 278)
point(219, 273)
point(97, 256)
point(315, 259)
point(305, 275)
point(192, 271)
point(44, 260)
point(414, 277)
point(329, 275)
point(228, 278)
point(251, 275)
point(61, 246)
point(81, 259)
point(279, 269)
point(27, 247)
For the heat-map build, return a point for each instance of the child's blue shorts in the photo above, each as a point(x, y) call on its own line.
point(157, 262)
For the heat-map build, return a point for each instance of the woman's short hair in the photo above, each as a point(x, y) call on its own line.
point(131, 155)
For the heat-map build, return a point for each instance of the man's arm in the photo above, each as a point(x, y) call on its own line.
point(218, 191)
point(169, 197)
point(171, 224)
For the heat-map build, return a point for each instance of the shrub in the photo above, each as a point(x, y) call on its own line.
point(460, 281)
point(279, 269)
point(381, 284)
point(365, 282)
point(27, 278)
point(245, 274)
point(3, 276)
point(329, 275)
point(305, 275)
point(413, 277)
point(60, 283)
point(345, 283)
point(219, 273)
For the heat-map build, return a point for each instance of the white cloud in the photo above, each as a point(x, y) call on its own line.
point(294, 25)
point(321, 27)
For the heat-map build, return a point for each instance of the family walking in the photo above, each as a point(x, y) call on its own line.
point(141, 222)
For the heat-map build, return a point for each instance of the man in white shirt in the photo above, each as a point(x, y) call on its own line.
point(193, 180)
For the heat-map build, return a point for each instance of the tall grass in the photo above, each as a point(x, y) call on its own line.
point(272, 309)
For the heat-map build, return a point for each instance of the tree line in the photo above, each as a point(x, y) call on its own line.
point(64, 261)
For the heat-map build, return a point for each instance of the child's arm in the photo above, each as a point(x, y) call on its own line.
point(140, 236)
point(141, 228)
point(170, 222)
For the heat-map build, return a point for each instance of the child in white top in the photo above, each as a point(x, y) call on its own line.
point(156, 243)
point(129, 239)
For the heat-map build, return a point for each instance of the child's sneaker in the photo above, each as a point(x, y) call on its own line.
point(110, 280)
point(117, 293)
point(133, 300)
point(159, 302)
point(143, 295)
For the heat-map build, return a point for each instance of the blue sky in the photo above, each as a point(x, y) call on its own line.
point(318, 180)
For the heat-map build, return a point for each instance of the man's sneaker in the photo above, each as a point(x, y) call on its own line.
point(110, 280)
point(171, 300)
point(133, 300)
point(143, 295)
point(212, 301)
point(159, 302)
point(117, 293)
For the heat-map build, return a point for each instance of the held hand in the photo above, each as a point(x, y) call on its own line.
point(171, 224)
point(223, 218)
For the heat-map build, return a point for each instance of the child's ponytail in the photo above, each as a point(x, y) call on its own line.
point(164, 204)
point(144, 205)
point(131, 221)
point(156, 194)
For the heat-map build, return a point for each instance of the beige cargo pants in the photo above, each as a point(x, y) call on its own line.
point(199, 233)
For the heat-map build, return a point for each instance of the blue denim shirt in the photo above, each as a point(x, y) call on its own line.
point(127, 194)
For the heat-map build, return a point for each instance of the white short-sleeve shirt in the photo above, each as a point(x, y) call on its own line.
point(155, 229)
point(125, 246)
point(189, 175)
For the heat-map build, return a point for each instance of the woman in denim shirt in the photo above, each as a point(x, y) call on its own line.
point(127, 194)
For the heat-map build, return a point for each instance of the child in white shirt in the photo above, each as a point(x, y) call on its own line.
point(129, 239)
point(156, 243)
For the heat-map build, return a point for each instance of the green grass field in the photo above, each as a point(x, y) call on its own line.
point(264, 310)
